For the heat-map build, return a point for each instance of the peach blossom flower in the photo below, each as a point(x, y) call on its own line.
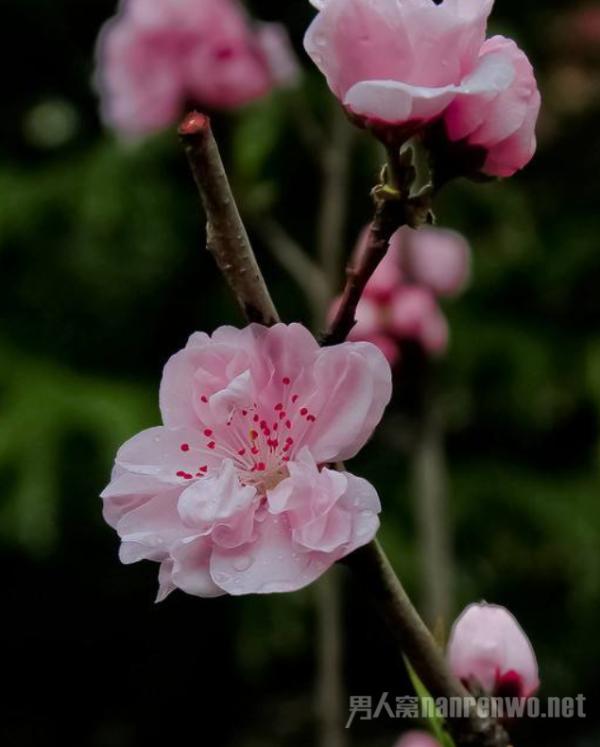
point(156, 57)
point(232, 494)
point(398, 66)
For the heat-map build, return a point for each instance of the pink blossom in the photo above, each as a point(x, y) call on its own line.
point(414, 314)
point(232, 494)
point(158, 56)
point(397, 66)
point(489, 648)
point(417, 739)
point(502, 122)
point(438, 259)
point(400, 300)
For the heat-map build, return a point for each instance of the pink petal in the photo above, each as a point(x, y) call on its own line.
point(191, 562)
point(328, 511)
point(274, 41)
point(497, 111)
point(417, 739)
point(439, 259)
point(354, 388)
point(148, 531)
point(395, 103)
point(271, 564)
point(167, 454)
point(127, 491)
point(165, 580)
point(220, 506)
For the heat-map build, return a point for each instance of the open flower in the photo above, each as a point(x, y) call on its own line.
point(400, 301)
point(231, 494)
point(398, 66)
point(488, 650)
point(157, 56)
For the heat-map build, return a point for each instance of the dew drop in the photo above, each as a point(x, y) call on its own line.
point(243, 563)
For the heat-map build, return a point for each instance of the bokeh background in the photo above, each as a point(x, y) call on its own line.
point(103, 276)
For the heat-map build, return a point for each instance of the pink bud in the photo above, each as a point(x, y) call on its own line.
point(417, 739)
point(416, 315)
point(500, 120)
point(371, 326)
point(488, 647)
point(438, 259)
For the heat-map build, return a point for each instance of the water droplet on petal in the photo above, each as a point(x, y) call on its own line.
point(243, 563)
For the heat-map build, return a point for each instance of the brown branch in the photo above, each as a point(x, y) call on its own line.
point(229, 243)
point(389, 216)
point(227, 238)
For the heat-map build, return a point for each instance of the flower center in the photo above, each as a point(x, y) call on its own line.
point(259, 439)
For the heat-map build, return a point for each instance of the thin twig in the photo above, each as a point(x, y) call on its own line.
point(389, 216)
point(334, 204)
point(330, 691)
point(227, 238)
point(431, 506)
point(304, 270)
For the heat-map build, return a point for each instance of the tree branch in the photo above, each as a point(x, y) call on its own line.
point(227, 238)
point(389, 216)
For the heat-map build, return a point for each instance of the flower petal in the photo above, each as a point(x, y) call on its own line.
point(354, 388)
point(270, 564)
point(162, 453)
point(191, 561)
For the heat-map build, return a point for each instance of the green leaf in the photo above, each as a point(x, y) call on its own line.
point(437, 722)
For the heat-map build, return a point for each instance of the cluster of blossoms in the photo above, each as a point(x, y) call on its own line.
point(491, 655)
point(233, 493)
point(236, 493)
point(399, 66)
point(155, 57)
point(400, 301)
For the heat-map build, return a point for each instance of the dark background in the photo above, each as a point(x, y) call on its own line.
point(103, 277)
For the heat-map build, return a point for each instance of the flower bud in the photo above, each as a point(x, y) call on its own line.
point(417, 739)
point(489, 651)
point(438, 259)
